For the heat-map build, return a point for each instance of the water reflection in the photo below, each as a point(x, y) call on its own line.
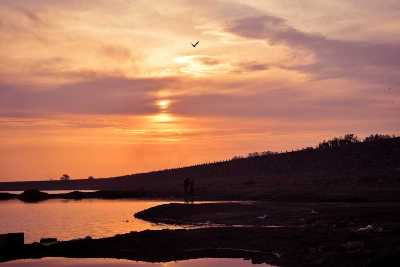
point(53, 262)
point(48, 191)
point(69, 219)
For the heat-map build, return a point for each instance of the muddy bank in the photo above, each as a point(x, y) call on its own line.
point(313, 234)
point(326, 234)
point(304, 246)
point(350, 216)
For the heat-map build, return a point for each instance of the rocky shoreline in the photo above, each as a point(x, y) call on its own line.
point(279, 246)
point(309, 234)
point(33, 195)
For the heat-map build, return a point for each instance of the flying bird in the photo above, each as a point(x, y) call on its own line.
point(194, 45)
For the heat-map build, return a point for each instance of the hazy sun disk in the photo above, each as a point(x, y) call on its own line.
point(163, 104)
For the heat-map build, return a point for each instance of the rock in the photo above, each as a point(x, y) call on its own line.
point(33, 195)
point(11, 241)
point(77, 195)
point(7, 196)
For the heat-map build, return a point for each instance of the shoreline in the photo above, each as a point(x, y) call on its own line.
point(314, 234)
point(363, 196)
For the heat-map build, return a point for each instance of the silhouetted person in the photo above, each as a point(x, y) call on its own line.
point(191, 191)
point(186, 185)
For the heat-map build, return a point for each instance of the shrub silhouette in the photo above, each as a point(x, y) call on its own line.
point(65, 177)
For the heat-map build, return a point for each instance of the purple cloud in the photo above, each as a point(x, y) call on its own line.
point(335, 58)
point(252, 66)
point(288, 104)
point(106, 95)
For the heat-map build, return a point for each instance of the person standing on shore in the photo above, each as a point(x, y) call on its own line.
point(191, 191)
point(186, 185)
point(188, 188)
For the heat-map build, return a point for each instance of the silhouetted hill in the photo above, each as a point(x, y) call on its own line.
point(342, 168)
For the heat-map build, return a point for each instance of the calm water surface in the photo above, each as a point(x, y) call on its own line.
point(49, 191)
point(53, 262)
point(69, 219)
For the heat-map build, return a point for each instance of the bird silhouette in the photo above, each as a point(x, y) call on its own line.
point(194, 45)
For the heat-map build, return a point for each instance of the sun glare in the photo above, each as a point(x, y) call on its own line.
point(198, 66)
point(162, 118)
point(163, 104)
point(183, 59)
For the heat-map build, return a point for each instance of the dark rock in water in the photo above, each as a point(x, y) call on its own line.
point(75, 195)
point(33, 195)
point(7, 196)
point(48, 241)
point(11, 241)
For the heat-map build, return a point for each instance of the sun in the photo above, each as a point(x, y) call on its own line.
point(163, 104)
point(163, 116)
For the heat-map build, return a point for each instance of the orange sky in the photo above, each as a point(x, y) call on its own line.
point(107, 88)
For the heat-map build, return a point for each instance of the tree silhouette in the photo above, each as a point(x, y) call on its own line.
point(65, 177)
point(338, 142)
point(377, 137)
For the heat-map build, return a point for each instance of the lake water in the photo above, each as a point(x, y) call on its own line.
point(69, 219)
point(48, 191)
point(65, 262)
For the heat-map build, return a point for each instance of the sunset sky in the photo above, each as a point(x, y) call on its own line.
point(108, 88)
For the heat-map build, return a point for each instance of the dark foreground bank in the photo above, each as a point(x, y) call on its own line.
point(312, 234)
point(305, 246)
point(304, 233)
point(350, 216)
